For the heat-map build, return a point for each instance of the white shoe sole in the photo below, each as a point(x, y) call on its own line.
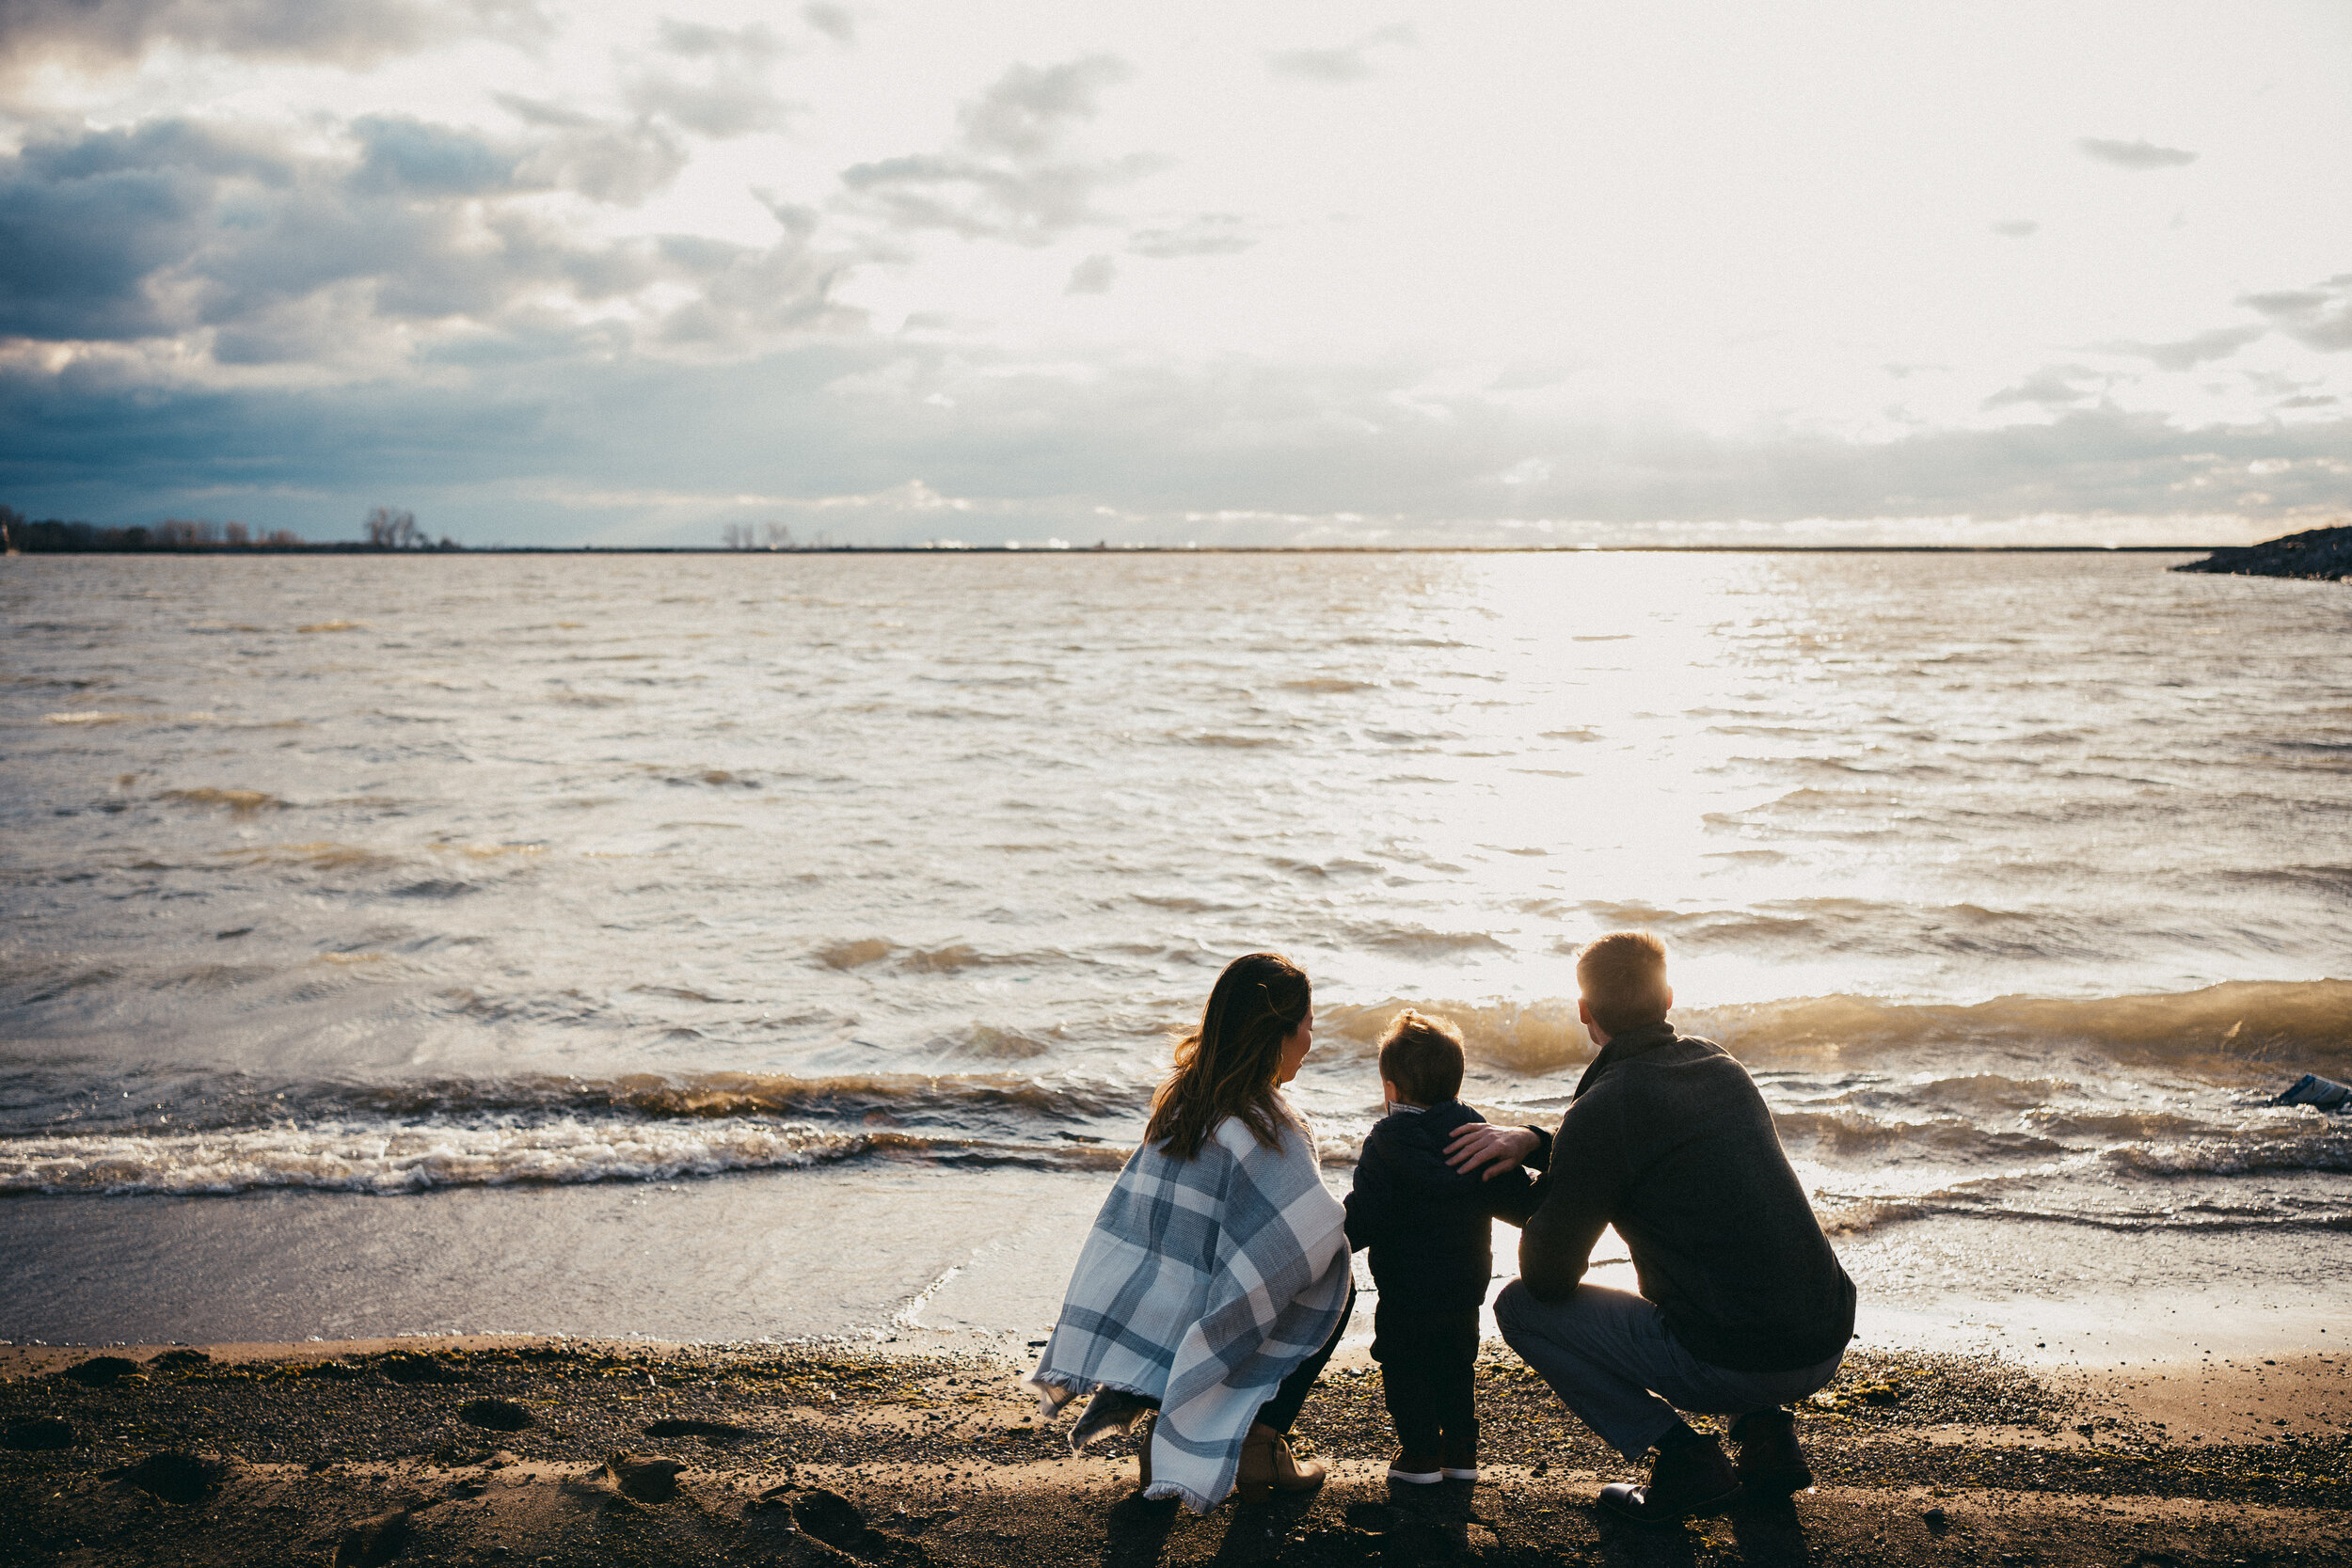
point(1459, 1474)
point(1416, 1478)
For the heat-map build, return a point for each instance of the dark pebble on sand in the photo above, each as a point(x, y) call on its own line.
point(41, 1435)
point(101, 1372)
point(496, 1416)
point(717, 1430)
point(830, 1517)
point(646, 1477)
point(411, 1367)
point(371, 1543)
point(177, 1478)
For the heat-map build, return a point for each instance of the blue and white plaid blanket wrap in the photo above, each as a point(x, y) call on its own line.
point(1203, 1284)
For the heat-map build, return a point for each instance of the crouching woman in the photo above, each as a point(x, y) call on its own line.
point(1216, 1281)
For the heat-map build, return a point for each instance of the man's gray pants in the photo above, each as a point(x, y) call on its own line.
point(1608, 1355)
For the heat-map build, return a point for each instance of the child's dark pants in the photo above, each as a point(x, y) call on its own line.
point(1429, 1364)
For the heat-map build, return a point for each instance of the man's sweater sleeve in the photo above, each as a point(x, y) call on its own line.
point(1574, 1200)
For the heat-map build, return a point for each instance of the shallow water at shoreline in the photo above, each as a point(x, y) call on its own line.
point(2017, 882)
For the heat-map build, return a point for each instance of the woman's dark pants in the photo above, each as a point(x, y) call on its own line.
point(1429, 1366)
point(1281, 1411)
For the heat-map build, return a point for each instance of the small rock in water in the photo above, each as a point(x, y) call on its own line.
point(373, 1541)
point(830, 1517)
point(101, 1372)
point(648, 1477)
point(496, 1415)
point(41, 1435)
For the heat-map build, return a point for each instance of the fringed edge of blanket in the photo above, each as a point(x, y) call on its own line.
point(1054, 1392)
point(1193, 1501)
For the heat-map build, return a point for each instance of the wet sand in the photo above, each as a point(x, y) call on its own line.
point(535, 1450)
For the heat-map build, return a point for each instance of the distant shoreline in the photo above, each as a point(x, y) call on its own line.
point(340, 548)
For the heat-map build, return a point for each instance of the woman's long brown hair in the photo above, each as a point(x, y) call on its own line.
point(1227, 1067)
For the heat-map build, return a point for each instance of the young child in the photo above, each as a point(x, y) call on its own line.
point(1427, 1227)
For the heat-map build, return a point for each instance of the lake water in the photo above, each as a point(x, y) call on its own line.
point(851, 899)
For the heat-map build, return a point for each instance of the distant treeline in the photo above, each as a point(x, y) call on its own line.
point(385, 530)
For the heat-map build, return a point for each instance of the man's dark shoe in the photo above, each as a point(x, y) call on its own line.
point(1695, 1478)
point(1770, 1463)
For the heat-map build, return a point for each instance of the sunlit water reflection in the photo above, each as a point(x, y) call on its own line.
point(375, 874)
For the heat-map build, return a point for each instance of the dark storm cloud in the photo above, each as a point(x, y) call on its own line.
point(1348, 63)
point(2139, 156)
point(2319, 317)
point(409, 155)
point(87, 224)
point(2189, 353)
point(1008, 174)
point(348, 32)
point(175, 229)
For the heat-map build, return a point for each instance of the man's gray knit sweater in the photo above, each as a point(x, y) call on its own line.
point(1668, 1140)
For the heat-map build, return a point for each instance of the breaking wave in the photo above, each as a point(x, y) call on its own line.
point(2239, 1025)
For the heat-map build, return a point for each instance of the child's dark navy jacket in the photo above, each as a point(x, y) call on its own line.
point(1426, 1223)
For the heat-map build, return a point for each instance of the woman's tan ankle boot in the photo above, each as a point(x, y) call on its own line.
point(1267, 1466)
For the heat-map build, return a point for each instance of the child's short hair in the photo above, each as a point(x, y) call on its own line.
point(1423, 1058)
point(1623, 976)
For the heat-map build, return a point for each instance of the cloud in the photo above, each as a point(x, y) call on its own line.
point(1093, 275)
point(729, 96)
point(2188, 353)
point(1008, 175)
point(1350, 62)
point(1207, 234)
point(409, 155)
point(2051, 387)
point(344, 32)
point(2319, 317)
point(1028, 109)
point(241, 251)
point(2017, 229)
point(2135, 155)
point(834, 21)
point(618, 162)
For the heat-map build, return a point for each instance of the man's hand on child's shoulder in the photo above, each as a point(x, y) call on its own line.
point(1483, 1145)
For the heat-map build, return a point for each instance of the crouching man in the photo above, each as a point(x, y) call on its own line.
point(1743, 1306)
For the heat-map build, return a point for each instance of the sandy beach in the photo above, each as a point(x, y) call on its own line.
point(558, 1452)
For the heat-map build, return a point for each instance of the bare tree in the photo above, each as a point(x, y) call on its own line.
point(779, 537)
point(388, 530)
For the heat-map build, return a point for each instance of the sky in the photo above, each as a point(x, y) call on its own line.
point(1485, 273)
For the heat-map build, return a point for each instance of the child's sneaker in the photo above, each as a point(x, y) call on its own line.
point(1416, 1469)
point(1461, 1463)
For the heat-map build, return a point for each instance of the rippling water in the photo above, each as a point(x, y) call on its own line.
point(2021, 883)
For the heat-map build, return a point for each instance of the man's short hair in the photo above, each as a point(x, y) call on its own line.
point(1623, 977)
point(1423, 1058)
